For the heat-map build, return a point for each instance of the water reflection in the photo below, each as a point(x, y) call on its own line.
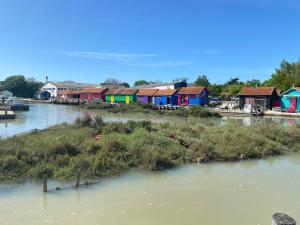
point(42, 116)
point(218, 193)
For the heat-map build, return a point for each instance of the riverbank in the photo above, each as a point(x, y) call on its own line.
point(94, 149)
point(194, 111)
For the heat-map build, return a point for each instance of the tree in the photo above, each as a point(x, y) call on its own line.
point(215, 90)
point(235, 80)
point(112, 81)
point(253, 83)
point(234, 90)
point(16, 84)
point(287, 75)
point(140, 82)
point(202, 81)
point(32, 87)
point(20, 86)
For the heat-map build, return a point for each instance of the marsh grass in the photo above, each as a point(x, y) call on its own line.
point(94, 149)
point(192, 111)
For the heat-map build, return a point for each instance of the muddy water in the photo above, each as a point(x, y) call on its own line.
point(41, 116)
point(245, 193)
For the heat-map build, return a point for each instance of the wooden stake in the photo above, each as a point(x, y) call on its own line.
point(77, 181)
point(45, 188)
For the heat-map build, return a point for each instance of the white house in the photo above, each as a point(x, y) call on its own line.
point(163, 86)
point(56, 87)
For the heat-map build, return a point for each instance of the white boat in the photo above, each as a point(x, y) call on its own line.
point(14, 101)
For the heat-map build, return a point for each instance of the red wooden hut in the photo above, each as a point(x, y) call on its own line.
point(92, 94)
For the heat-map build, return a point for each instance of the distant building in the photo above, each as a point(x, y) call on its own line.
point(193, 96)
point(109, 85)
point(163, 86)
point(55, 88)
point(290, 100)
point(94, 94)
point(125, 95)
point(6, 94)
point(165, 97)
point(266, 97)
point(145, 96)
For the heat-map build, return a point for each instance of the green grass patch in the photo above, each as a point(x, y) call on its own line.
point(93, 149)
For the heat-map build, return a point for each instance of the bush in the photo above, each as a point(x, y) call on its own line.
point(156, 160)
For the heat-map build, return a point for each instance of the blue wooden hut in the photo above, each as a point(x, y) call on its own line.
point(290, 100)
point(165, 97)
point(193, 96)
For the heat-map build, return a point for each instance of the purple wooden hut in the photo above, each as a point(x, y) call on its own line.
point(145, 96)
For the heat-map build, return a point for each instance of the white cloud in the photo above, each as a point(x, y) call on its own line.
point(121, 57)
point(130, 59)
point(162, 64)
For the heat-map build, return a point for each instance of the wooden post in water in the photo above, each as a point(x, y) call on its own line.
point(77, 181)
point(45, 188)
point(282, 219)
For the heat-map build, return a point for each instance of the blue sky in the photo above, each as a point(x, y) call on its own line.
point(91, 40)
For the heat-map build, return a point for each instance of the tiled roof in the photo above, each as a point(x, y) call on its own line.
point(124, 91)
point(93, 90)
point(165, 92)
point(68, 92)
point(147, 92)
point(257, 91)
point(191, 90)
point(72, 84)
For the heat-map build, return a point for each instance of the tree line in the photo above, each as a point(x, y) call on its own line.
point(284, 77)
point(21, 86)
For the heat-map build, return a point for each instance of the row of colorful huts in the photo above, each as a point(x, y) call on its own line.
point(181, 96)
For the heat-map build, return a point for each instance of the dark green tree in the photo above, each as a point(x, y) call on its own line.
point(232, 81)
point(287, 75)
point(20, 86)
point(253, 83)
point(202, 81)
point(215, 90)
point(140, 82)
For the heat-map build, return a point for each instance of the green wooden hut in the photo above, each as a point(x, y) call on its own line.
point(290, 100)
point(125, 95)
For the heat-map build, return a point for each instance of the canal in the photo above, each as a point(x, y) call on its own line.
point(244, 193)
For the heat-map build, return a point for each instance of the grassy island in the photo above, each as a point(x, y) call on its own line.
point(94, 149)
point(191, 111)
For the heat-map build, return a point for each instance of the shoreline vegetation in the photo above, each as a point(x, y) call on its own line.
point(92, 149)
point(193, 111)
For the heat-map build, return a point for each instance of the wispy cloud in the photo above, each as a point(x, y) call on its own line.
point(121, 57)
point(213, 52)
point(162, 64)
point(130, 59)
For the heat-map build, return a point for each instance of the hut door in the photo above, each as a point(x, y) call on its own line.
point(168, 99)
point(127, 99)
point(112, 99)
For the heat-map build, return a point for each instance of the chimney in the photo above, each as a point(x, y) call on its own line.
point(46, 79)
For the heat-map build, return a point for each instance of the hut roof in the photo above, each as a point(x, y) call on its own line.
point(165, 92)
point(257, 91)
point(293, 88)
point(147, 92)
point(191, 90)
point(69, 92)
point(93, 90)
point(123, 91)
